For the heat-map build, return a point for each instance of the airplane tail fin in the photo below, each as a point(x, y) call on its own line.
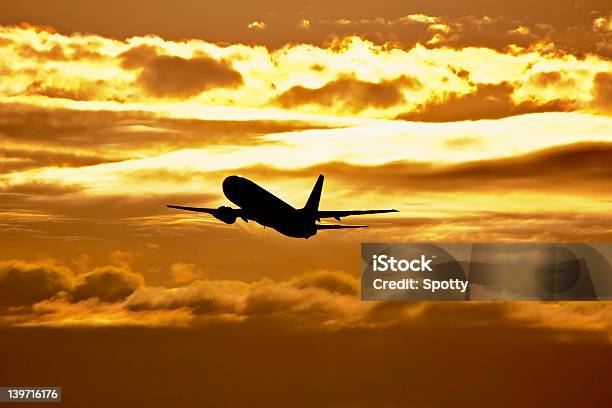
point(312, 205)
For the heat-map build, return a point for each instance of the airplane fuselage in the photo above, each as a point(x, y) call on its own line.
point(265, 208)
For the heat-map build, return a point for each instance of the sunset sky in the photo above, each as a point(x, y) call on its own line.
point(479, 121)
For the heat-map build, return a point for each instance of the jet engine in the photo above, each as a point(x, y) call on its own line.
point(225, 214)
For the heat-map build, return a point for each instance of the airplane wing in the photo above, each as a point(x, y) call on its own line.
point(331, 226)
point(226, 214)
point(196, 209)
point(345, 213)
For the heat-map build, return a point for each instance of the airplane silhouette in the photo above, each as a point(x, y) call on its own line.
point(265, 208)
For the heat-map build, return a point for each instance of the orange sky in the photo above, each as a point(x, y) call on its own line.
point(480, 123)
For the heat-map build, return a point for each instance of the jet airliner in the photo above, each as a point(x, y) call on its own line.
point(257, 204)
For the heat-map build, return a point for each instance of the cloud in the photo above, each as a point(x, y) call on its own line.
point(325, 296)
point(587, 164)
point(138, 56)
point(80, 91)
point(257, 25)
point(170, 76)
point(584, 163)
point(23, 283)
point(69, 200)
point(44, 293)
point(350, 94)
point(336, 282)
point(488, 101)
point(521, 30)
point(18, 159)
point(54, 53)
point(107, 283)
point(143, 69)
point(184, 272)
point(304, 24)
point(202, 297)
point(40, 188)
point(464, 142)
point(41, 136)
point(304, 295)
point(83, 93)
point(603, 24)
point(552, 79)
point(492, 30)
point(311, 302)
point(418, 18)
point(59, 52)
point(122, 259)
point(602, 91)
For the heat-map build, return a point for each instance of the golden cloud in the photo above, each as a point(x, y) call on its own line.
point(167, 76)
point(488, 101)
point(24, 283)
point(15, 159)
point(350, 94)
point(36, 136)
point(138, 56)
point(257, 25)
point(315, 301)
point(53, 287)
point(588, 165)
point(85, 91)
point(107, 283)
point(145, 69)
point(602, 91)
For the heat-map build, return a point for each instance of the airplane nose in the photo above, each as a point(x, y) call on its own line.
point(230, 180)
point(230, 184)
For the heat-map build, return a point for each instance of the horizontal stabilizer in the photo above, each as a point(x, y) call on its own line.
point(332, 226)
point(345, 213)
